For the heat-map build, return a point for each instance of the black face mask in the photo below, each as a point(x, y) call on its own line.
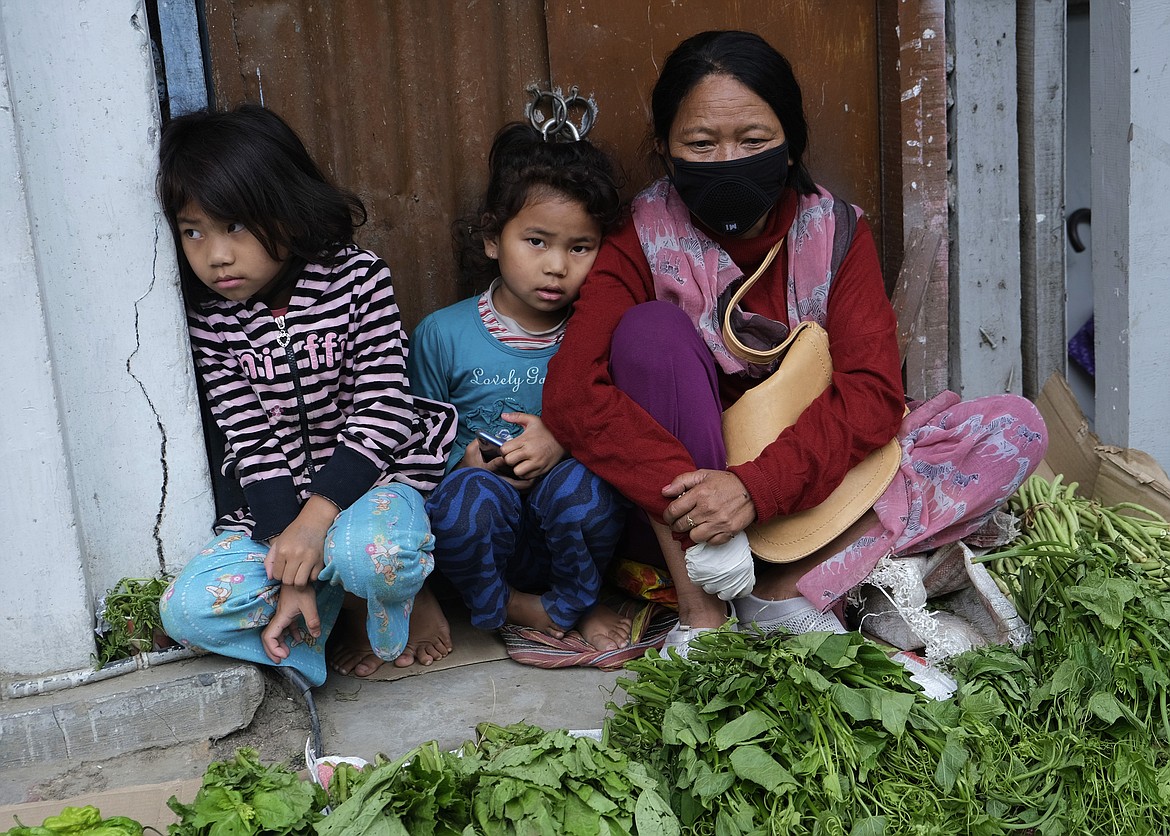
point(730, 196)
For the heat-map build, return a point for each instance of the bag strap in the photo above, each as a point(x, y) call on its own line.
point(729, 337)
point(844, 228)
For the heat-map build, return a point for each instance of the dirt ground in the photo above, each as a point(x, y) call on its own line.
point(278, 730)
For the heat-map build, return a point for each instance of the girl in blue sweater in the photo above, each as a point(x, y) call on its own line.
point(523, 532)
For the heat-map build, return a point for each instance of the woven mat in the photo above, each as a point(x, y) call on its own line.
point(651, 622)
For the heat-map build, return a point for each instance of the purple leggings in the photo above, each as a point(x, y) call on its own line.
point(960, 459)
point(659, 360)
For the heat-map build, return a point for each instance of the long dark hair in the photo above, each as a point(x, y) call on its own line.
point(522, 165)
point(755, 64)
point(247, 165)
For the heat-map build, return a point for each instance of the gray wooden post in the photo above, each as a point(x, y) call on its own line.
point(1041, 39)
point(1130, 78)
point(985, 221)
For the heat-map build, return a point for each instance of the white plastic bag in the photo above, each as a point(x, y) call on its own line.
point(942, 604)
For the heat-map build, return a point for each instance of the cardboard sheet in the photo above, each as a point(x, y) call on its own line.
point(1108, 474)
point(472, 646)
point(146, 803)
point(1129, 475)
point(1071, 443)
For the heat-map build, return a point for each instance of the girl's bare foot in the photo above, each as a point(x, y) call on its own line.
point(350, 647)
point(525, 609)
point(605, 628)
point(430, 633)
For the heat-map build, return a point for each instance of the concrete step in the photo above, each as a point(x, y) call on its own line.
point(168, 723)
point(181, 702)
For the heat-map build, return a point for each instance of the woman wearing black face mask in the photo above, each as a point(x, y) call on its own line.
point(643, 373)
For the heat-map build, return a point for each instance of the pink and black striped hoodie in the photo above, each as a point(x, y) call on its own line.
point(344, 422)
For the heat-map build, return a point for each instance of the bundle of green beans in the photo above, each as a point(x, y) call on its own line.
point(1091, 582)
point(1055, 520)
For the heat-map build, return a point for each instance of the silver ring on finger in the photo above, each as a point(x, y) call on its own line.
point(691, 522)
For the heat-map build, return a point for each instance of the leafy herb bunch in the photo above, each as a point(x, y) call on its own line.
point(1090, 581)
point(1090, 691)
point(130, 619)
point(823, 734)
point(517, 779)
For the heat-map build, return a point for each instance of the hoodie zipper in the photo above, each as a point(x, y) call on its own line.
point(284, 340)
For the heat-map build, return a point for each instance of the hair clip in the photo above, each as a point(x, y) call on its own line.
point(559, 126)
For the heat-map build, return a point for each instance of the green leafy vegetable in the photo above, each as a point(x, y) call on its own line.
point(242, 797)
point(518, 779)
point(816, 734)
point(80, 821)
point(130, 620)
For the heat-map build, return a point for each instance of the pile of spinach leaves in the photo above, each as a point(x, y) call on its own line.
point(518, 779)
point(240, 796)
point(823, 734)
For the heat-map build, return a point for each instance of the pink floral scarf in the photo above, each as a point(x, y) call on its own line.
point(694, 273)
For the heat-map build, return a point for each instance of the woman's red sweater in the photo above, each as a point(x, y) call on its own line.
point(616, 439)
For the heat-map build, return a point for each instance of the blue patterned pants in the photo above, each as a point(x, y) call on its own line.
point(556, 540)
point(378, 549)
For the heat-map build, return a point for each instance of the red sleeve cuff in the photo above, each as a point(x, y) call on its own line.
point(762, 489)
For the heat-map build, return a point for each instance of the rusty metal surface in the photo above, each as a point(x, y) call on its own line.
point(890, 116)
point(614, 50)
point(396, 99)
point(399, 99)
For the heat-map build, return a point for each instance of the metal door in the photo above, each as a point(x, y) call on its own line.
point(396, 100)
point(399, 100)
point(616, 49)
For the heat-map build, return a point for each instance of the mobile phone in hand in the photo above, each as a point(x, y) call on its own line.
point(489, 445)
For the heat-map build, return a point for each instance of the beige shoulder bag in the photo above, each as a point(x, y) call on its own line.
point(757, 419)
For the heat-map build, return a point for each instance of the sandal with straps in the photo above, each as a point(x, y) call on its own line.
point(680, 635)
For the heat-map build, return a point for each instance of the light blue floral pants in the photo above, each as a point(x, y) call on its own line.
point(378, 549)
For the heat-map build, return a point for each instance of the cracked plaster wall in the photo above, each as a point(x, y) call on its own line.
point(104, 469)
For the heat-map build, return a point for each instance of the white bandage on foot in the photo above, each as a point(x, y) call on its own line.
point(791, 615)
point(727, 571)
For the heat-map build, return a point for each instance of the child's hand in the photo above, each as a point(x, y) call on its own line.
point(296, 556)
point(473, 457)
point(294, 601)
point(534, 452)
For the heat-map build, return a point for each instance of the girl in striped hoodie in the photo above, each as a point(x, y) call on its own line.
point(300, 354)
